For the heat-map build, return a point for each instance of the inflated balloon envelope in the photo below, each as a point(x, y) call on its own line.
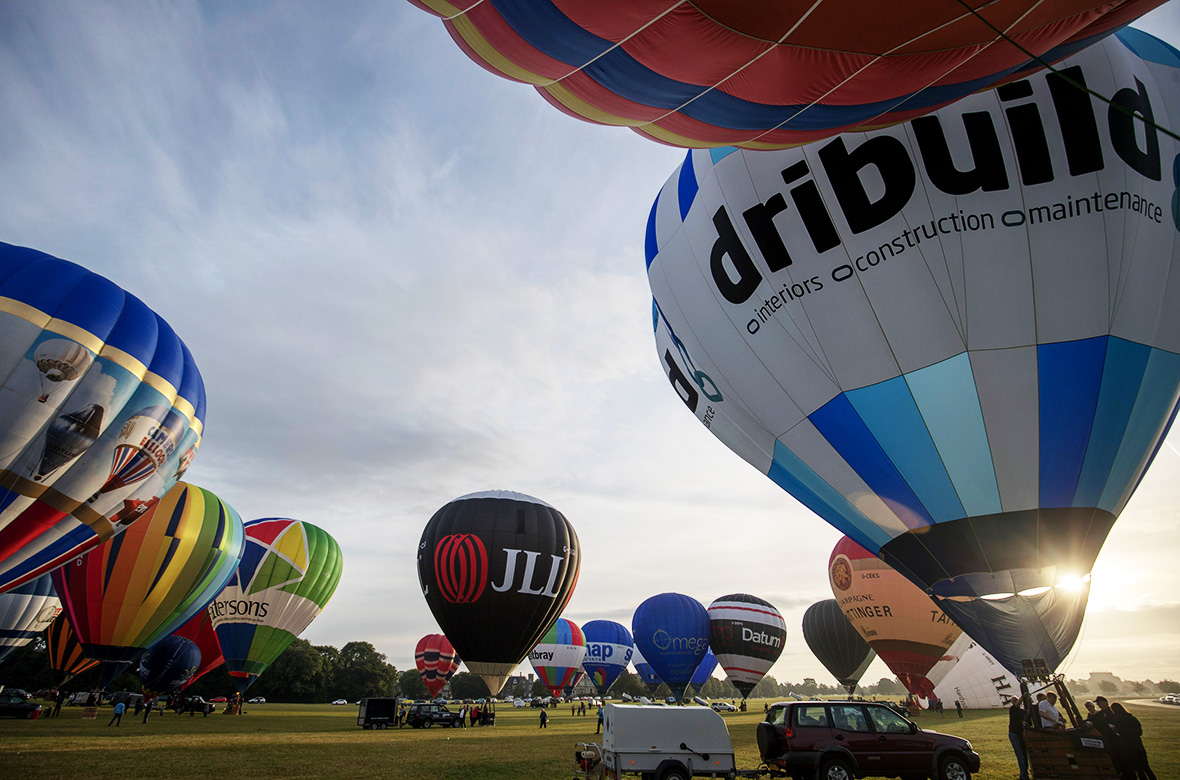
point(767, 74)
point(955, 339)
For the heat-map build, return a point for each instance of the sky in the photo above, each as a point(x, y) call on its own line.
point(404, 280)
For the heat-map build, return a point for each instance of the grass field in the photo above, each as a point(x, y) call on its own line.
point(322, 741)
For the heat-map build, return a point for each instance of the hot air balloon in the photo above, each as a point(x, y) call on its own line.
point(894, 616)
point(111, 361)
point(747, 634)
point(557, 658)
point(645, 671)
point(497, 569)
point(609, 648)
point(436, 660)
point(765, 75)
point(169, 665)
point(704, 671)
point(65, 653)
point(199, 630)
point(975, 679)
point(836, 643)
point(672, 632)
point(288, 572)
point(132, 591)
point(25, 612)
point(961, 352)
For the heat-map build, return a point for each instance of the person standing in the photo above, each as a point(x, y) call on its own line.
point(1016, 716)
point(1050, 717)
point(147, 708)
point(475, 715)
point(598, 728)
point(463, 716)
point(117, 717)
point(544, 719)
point(1131, 750)
point(58, 701)
point(958, 707)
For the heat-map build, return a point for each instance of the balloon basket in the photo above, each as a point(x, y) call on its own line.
point(1079, 751)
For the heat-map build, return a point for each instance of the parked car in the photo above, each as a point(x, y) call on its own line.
point(340, 701)
point(218, 700)
point(842, 739)
point(423, 716)
point(723, 706)
point(19, 692)
point(13, 705)
point(257, 700)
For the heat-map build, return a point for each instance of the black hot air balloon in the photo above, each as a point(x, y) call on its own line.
point(836, 643)
point(747, 634)
point(497, 568)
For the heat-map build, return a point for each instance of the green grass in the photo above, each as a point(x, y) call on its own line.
point(321, 741)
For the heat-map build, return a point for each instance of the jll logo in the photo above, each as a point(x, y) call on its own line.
point(461, 568)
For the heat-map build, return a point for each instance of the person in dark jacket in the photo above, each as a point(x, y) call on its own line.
point(1016, 717)
point(1130, 739)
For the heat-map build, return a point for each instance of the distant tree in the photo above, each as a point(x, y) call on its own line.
point(1138, 687)
point(360, 672)
point(629, 684)
point(1169, 686)
point(1080, 686)
point(888, 686)
point(410, 685)
point(809, 687)
point(297, 675)
point(466, 685)
point(1108, 687)
point(767, 688)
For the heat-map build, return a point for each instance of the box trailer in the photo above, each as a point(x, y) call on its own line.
point(377, 713)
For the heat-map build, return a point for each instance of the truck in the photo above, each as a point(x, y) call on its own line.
point(377, 713)
point(658, 743)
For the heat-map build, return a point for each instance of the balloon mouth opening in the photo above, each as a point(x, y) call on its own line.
point(1068, 582)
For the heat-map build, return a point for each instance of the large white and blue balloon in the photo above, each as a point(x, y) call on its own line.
point(956, 339)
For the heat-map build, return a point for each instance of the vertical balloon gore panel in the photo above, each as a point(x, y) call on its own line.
point(496, 569)
point(83, 359)
point(961, 352)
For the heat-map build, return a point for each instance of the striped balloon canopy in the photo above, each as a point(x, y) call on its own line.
point(609, 648)
point(557, 658)
point(288, 572)
point(102, 401)
point(66, 656)
point(436, 660)
point(748, 635)
point(766, 74)
point(137, 588)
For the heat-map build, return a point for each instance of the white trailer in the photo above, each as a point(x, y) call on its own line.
point(659, 743)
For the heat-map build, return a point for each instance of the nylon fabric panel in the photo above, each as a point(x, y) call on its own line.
point(199, 630)
point(25, 612)
point(1122, 375)
point(1006, 381)
point(842, 426)
point(1070, 377)
point(947, 397)
point(889, 412)
point(65, 653)
point(830, 482)
point(609, 648)
point(672, 632)
point(1155, 408)
point(976, 680)
point(747, 635)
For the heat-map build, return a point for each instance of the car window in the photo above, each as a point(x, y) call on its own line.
point(888, 722)
point(778, 716)
point(848, 717)
point(813, 715)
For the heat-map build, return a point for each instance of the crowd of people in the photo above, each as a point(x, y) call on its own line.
point(1121, 731)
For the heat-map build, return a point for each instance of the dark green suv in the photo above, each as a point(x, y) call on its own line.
point(423, 716)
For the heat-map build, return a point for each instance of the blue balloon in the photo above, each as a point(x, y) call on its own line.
point(704, 671)
point(672, 632)
point(169, 664)
point(608, 651)
point(645, 672)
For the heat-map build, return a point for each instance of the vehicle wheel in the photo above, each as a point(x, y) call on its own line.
point(676, 772)
point(953, 768)
point(427, 724)
point(835, 769)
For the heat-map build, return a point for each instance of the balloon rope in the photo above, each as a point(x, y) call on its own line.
point(1072, 82)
